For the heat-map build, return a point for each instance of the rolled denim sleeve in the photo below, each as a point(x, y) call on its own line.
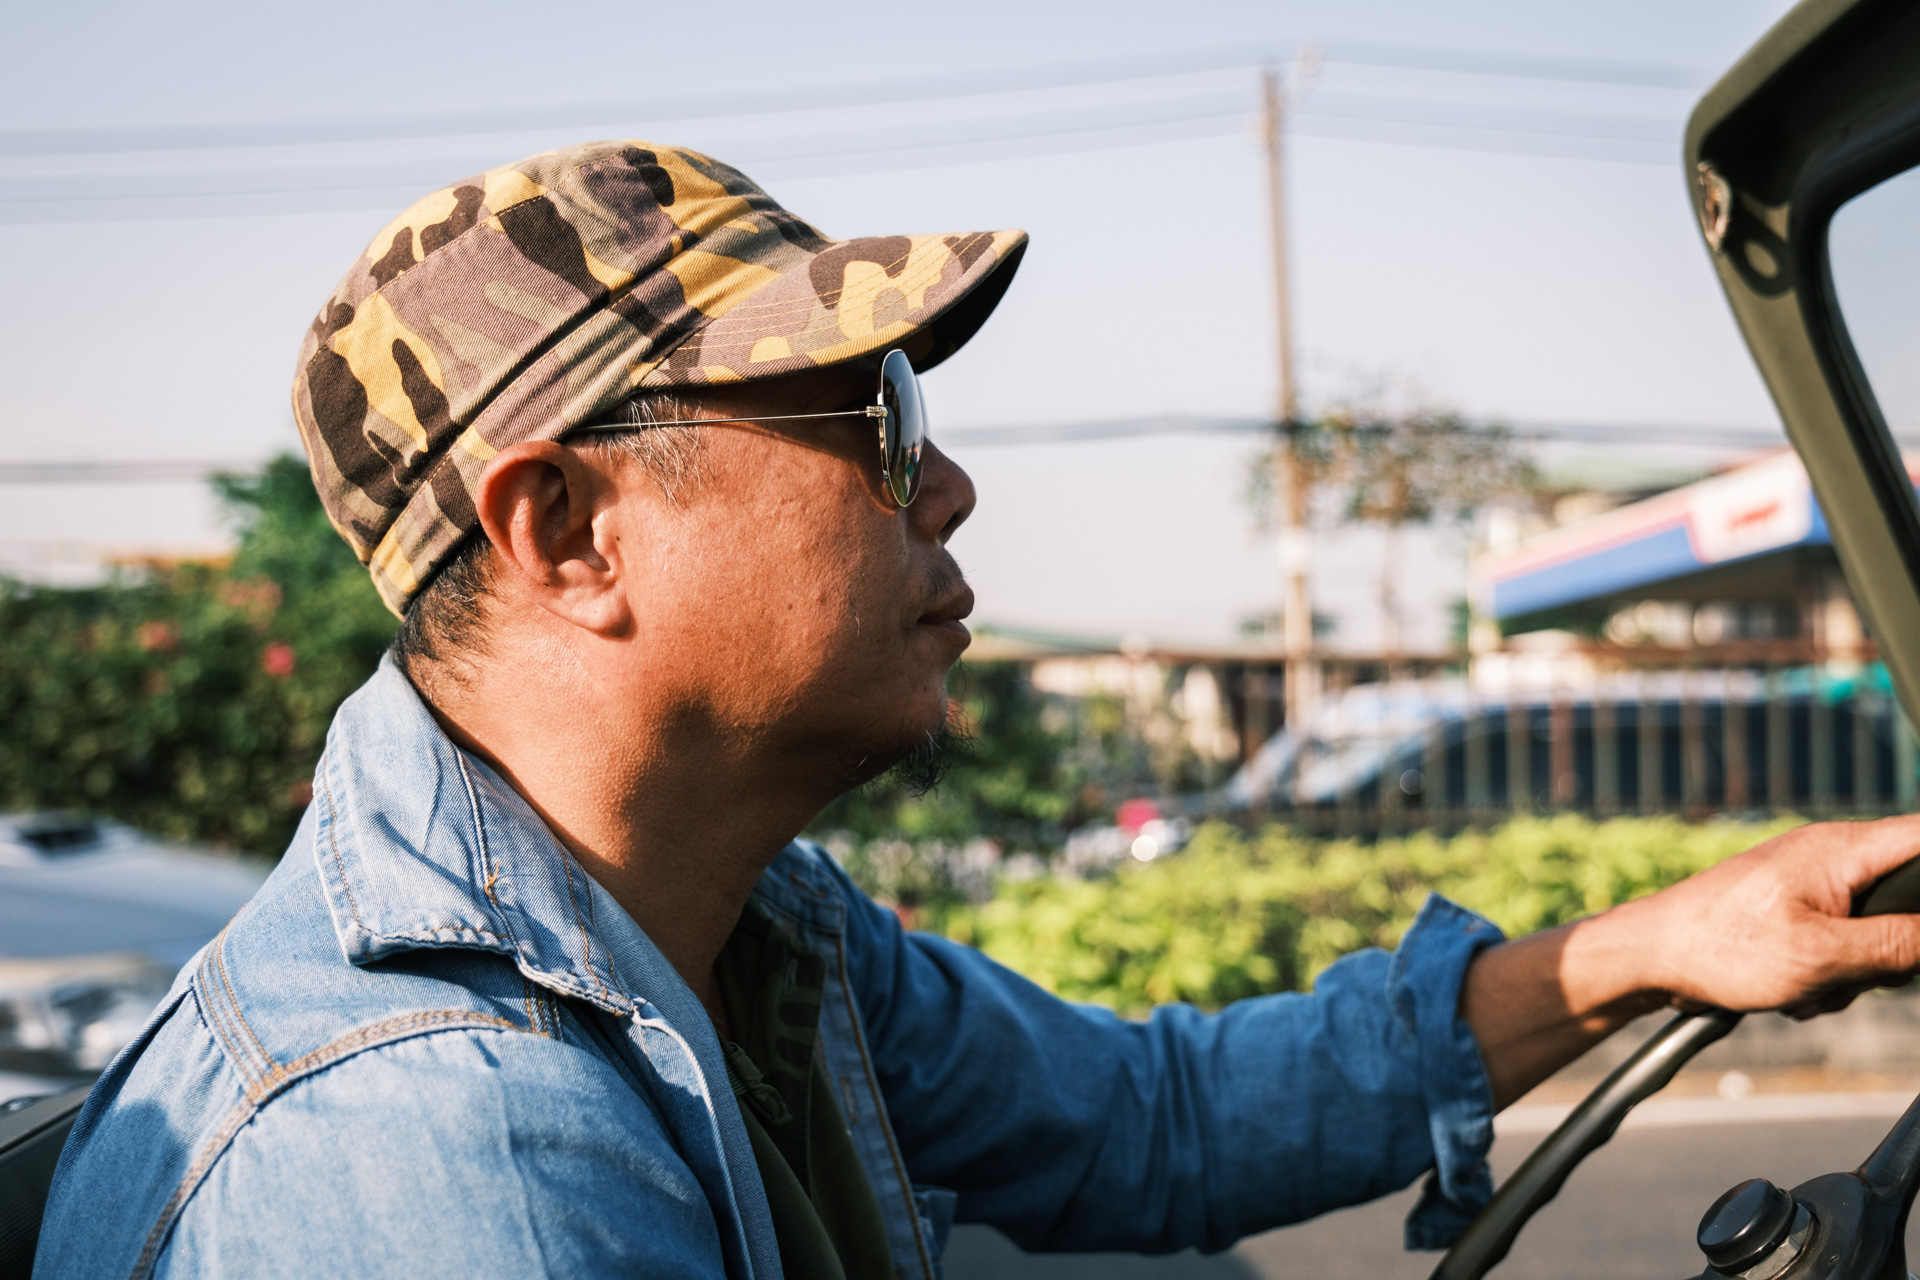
point(1423, 985)
point(1069, 1128)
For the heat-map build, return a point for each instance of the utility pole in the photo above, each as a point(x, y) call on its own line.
point(1292, 479)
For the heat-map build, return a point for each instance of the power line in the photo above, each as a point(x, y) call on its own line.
point(1519, 66)
point(1191, 424)
point(1075, 128)
point(151, 471)
point(1477, 117)
point(127, 139)
point(1394, 121)
point(167, 471)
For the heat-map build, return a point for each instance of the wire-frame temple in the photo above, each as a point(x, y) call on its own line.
point(868, 411)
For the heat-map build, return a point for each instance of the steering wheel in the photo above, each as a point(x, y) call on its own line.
point(1838, 1226)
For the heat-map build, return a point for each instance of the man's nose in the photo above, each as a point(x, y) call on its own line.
point(946, 495)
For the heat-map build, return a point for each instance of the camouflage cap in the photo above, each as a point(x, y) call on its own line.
point(535, 297)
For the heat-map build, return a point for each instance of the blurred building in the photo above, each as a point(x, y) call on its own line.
point(1694, 650)
point(1741, 566)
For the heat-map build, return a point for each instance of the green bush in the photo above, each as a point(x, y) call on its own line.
point(1008, 781)
point(192, 701)
point(1238, 915)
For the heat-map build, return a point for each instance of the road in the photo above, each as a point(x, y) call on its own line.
point(1628, 1213)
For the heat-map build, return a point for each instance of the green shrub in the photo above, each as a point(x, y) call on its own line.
point(1238, 915)
point(1008, 779)
point(192, 701)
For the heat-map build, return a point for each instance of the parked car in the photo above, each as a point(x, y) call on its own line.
point(95, 919)
point(1694, 741)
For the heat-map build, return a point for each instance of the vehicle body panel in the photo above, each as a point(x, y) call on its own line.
point(1795, 128)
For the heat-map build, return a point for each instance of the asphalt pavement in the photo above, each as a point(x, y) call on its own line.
point(1628, 1213)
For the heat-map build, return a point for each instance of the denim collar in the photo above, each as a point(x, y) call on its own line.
point(421, 844)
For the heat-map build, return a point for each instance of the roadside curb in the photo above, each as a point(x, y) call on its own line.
point(1664, 1113)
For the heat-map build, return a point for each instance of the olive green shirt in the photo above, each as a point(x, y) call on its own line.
point(824, 1215)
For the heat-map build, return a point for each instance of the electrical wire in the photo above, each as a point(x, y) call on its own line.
point(1531, 432)
point(1388, 121)
point(215, 135)
point(144, 192)
point(151, 471)
point(1734, 438)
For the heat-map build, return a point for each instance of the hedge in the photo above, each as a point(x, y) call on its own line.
point(1241, 914)
point(192, 700)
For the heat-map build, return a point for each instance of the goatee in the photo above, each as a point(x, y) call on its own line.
point(925, 767)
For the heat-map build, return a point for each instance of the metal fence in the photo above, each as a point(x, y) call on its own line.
point(1689, 743)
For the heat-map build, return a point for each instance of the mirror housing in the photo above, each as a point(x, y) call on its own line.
point(1824, 106)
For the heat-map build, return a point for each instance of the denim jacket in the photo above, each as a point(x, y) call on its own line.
point(433, 1044)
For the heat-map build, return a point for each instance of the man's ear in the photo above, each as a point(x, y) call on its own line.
point(537, 501)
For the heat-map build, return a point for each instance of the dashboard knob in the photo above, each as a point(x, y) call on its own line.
point(1745, 1225)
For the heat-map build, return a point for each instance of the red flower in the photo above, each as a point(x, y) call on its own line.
point(258, 597)
point(277, 660)
point(157, 637)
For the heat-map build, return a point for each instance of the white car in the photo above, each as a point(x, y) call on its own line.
point(95, 919)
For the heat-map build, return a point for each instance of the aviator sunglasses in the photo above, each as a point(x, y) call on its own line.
point(898, 411)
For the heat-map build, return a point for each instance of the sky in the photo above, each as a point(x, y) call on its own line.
point(1486, 211)
point(1874, 265)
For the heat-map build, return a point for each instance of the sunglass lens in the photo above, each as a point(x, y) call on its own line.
point(906, 433)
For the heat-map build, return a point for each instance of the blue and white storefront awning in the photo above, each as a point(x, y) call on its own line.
point(1754, 510)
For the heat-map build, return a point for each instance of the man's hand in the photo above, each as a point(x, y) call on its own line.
point(1767, 929)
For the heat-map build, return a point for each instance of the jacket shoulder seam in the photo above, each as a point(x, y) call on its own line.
point(386, 1031)
point(255, 1094)
point(219, 1007)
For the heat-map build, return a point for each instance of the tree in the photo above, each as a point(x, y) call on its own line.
point(1007, 779)
point(328, 608)
point(1421, 466)
point(192, 700)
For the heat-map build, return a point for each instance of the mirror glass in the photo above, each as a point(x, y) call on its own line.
point(1873, 249)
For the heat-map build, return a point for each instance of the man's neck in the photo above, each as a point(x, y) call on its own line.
point(670, 813)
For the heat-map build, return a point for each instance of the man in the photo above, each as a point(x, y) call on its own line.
point(545, 984)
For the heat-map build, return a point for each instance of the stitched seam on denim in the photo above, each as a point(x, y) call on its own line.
point(819, 905)
point(880, 1109)
point(281, 1078)
point(434, 934)
point(189, 1183)
point(537, 1017)
point(333, 841)
point(586, 940)
point(210, 1014)
point(220, 963)
point(592, 1032)
point(236, 1056)
point(489, 871)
